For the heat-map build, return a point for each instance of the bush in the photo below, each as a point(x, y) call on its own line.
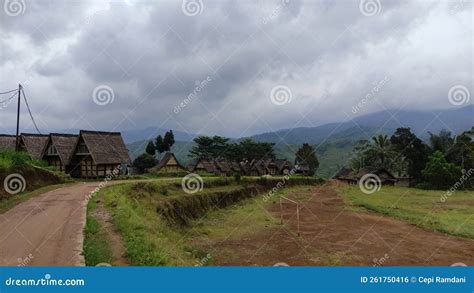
point(144, 161)
point(439, 173)
point(237, 177)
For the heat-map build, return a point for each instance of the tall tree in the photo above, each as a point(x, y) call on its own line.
point(382, 150)
point(443, 141)
point(150, 148)
point(412, 149)
point(306, 155)
point(159, 144)
point(168, 140)
point(209, 147)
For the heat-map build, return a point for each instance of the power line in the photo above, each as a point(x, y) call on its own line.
point(29, 111)
point(8, 92)
point(9, 99)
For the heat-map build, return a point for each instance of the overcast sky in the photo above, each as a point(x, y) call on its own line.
point(232, 68)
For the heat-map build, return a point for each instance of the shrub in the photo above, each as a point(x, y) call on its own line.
point(237, 177)
point(144, 161)
point(439, 173)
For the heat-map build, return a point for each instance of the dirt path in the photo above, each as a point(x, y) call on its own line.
point(47, 230)
point(114, 239)
point(333, 234)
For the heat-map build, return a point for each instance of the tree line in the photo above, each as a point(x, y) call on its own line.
point(439, 163)
point(222, 148)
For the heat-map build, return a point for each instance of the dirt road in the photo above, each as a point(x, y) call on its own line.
point(334, 234)
point(46, 230)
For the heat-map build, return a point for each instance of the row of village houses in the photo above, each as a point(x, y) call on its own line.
point(94, 154)
point(89, 154)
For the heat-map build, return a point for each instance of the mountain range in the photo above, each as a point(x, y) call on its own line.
point(334, 141)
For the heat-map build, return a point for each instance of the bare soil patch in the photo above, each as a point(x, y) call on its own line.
point(333, 233)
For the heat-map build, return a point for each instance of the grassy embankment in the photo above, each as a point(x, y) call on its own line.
point(38, 178)
point(161, 225)
point(423, 208)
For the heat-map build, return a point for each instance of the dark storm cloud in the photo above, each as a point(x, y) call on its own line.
point(153, 57)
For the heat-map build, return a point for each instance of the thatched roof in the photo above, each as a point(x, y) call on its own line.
point(105, 147)
point(7, 142)
point(164, 162)
point(208, 165)
point(65, 144)
point(282, 163)
point(34, 144)
point(223, 166)
point(344, 173)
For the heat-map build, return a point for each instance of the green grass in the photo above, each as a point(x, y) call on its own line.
point(420, 207)
point(9, 202)
point(96, 248)
point(151, 240)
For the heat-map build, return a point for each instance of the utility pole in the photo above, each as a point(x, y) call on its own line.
point(17, 147)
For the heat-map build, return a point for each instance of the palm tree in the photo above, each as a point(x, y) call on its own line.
point(381, 149)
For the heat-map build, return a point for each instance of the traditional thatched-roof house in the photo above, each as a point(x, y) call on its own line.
point(257, 168)
point(284, 166)
point(272, 167)
point(7, 142)
point(345, 175)
point(99, 153)
point(203, 165)
point(59, 150)
point(352, 177)
point(33, 144)
point(168, 164)
point(236, 168)
point(303, 169)
point(223, 168)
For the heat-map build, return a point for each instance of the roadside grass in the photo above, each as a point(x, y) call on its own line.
point(11, 201)
point(96, 247)
point(419, 207)
point(152, 241)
